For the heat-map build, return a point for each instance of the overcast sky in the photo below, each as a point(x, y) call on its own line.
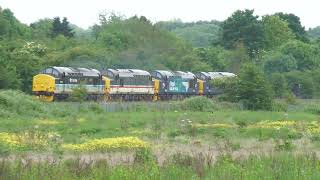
point(84, 13)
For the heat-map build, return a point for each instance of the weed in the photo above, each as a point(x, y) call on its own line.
point(144, 155)
point(284, 145)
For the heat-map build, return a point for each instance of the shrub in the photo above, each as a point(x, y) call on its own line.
point(17, 103)
point(285, 145)
point(79, 94)
point(144, 155)
point(198, 103)
point(253, 90)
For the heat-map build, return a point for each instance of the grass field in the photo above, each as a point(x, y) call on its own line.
point(193, 139)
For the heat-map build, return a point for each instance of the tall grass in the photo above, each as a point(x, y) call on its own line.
point(274, 166)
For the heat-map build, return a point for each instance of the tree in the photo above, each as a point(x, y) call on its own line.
point(63, 28)
point(278, 62)
point(4, 27)
point(306, 55)
point(275, 32)
point(238, 57)
point(56, 27)
point(42, 28)
point(243, 27)
point(216, 57)
point(10, 27)
point(314, 33)
point(279, 85)
point(295, 25)
point(253, 90)
point(4, 78)
point(66, 30)
point(199, 34)
point(301, 84)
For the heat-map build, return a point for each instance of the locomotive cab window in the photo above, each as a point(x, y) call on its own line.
point(55, 73)
point(48, 71)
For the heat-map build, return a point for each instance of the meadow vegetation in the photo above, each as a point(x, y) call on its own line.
point(195, 138)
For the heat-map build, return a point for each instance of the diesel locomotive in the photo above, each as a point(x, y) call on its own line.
point(57, 83)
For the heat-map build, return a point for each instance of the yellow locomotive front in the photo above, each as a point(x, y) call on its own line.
point(43, 86)
point(58, 83)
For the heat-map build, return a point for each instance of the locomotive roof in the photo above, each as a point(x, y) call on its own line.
point(185, 75)
point(129, 72)
point(71, 71)
point(165, 73)
point(215, 75)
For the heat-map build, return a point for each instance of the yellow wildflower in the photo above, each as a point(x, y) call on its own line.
point(272, 124)
point(216, 125)
point(48, 122)
point(107, 144)
point(10, 140)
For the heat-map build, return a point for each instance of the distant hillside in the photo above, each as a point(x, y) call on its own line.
point(314, 33)
point(199, 34)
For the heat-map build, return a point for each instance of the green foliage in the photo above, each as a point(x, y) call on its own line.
point(198, 103)
point(276, 31)
point(295, 25)
point(144, 155)
point(79, 93)
point(59, 27)
point(253, 90)
point(278, 62)
point(229, 87)
point(285, 145)
point(41, 29)
point(306, 55)
point(10, 27)
point(239, 28)
point(200, 34)
point(8, 78)
point(301, 84)
point(276, 43)
point(279, 106)
point(314, 33)
point(216, 57)
point(279, 85)
point(17, 103)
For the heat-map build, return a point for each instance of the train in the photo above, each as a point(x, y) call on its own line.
point(58, 83)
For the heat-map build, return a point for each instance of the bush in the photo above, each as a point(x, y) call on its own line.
point(228, 88)
point(279, 85)
point(17, 103)
point(198, 103)
point(79, 94)
point(253, 90)
point(144, 155)
point(285, 145)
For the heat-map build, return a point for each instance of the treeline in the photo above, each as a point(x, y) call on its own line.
point(277, 45)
